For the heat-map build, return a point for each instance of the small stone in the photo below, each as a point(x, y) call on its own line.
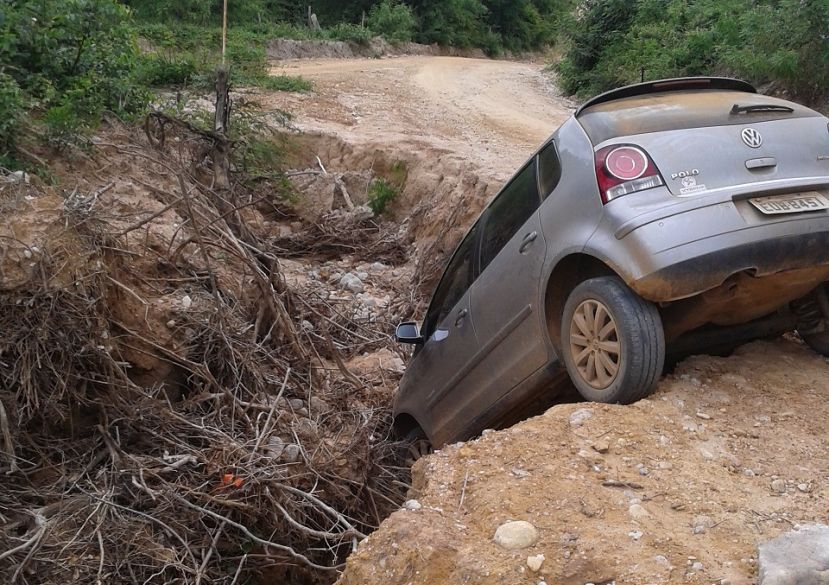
point(803, 487)
point(579, 417)
point(643, 471)
point(779, 486)
point(291, 453)
point(186, 302)
point(516, 535)
point(703, 416)
point(665, 465)
point(702, 523)
point(171, 323)
point(635, 534)
point(749, 472)
point(306, 325)
point(662, 560)
point(412, 505)
point(275, 446)
point(534, 563)
point(601, 447)
point(698, 566)
point(297, 403)
point(520, 472)
point(638, 512)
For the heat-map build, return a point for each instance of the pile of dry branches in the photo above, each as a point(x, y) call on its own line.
point(206, 447)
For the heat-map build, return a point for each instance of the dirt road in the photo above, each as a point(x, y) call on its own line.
point(494, 113)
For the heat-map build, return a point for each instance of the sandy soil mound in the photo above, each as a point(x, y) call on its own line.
point(679, 488)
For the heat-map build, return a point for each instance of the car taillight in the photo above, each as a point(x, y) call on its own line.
point(623, 169)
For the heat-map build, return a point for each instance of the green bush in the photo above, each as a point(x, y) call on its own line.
point(382, 191)
point(393, 20)
point(159, 70)
point(293, 83)
point(349, 33)
point(777, 42)
point(11, 110)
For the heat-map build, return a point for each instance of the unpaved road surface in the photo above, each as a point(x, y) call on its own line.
point(494, 113)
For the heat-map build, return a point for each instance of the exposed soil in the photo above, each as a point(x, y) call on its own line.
point(728, 453)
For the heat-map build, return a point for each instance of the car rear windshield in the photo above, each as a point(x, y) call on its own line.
point(659, 112)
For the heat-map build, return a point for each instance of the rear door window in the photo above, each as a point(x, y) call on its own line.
point(456, 280)
point(513, 206)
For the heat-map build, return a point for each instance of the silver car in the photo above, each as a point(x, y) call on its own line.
point(662, 218)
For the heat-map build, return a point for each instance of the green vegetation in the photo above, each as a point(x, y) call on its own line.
point(393, 20)
point(67, 61)
point(778, 42)
point(382, 191)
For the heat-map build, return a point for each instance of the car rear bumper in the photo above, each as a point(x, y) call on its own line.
point(683, 254)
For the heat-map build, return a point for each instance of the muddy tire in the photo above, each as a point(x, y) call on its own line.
point(818, 341)
point(612, 340)
point(416, 446)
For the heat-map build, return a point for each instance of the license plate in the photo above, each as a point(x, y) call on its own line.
point(791, 203)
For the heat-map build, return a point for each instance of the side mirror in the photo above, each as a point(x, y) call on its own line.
point(408, 333)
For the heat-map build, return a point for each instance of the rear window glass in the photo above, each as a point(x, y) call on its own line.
point(659, 112)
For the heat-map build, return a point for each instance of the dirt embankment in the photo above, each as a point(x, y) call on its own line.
point(678, 488)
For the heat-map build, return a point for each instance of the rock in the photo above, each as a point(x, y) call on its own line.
point(516, 535)
point(534, 563)
point(702, 523)
point(306, 325)
point(804, 487)
point(186, 302)
point(377, 267)
point(601, 447)
point(412, 505)
point(275, 446)
point(297, 403)
point(635, 534)
point(779, 486)
point(291, 453)
point(350, 281)
point(638, 512)
point(703, 416)
point(698, 566)
point(579, 417)
point(799, 557)
point(18, 177)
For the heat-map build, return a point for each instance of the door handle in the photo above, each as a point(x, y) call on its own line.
point(527, 242)
point(461, 317)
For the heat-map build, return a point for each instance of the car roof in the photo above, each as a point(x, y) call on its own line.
point(645, 110)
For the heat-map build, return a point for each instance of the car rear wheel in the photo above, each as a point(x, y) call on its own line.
point(613, 343)
point(817, 341)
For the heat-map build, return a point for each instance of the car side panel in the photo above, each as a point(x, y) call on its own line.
point(572, 212)
point(507, 310)
point(445, 373)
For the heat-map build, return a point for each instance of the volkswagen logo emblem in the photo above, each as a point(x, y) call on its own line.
point(752, 138)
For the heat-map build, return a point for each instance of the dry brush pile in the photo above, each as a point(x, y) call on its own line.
point(163, 419)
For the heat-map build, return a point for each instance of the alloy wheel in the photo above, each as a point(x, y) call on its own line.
point(594, 344)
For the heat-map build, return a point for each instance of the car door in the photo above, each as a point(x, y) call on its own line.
point(448, 366)
point(506, 297)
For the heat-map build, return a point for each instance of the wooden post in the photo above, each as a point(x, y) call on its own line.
point(224, 32)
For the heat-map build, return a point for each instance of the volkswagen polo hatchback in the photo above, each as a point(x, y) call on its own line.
point(665, 217)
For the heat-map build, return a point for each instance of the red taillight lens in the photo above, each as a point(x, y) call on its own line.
point(623, 169)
